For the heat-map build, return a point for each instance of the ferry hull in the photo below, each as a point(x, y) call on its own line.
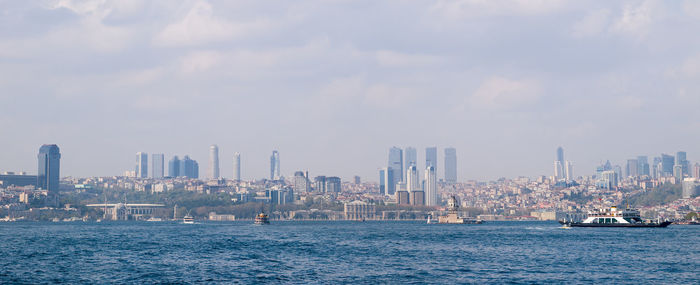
point(587, 225)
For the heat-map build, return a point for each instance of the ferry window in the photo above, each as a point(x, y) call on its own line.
point(601, 220)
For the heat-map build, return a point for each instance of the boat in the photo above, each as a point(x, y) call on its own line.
point(614, 218)
point(187, 219)
point(262, 219)
point(452, 216)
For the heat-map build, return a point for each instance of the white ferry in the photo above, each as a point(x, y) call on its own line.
point(613, 217)
point(187, 219)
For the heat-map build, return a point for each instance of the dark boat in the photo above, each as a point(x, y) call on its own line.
point(612, 218)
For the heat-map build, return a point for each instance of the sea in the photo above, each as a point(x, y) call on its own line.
point(335, 252)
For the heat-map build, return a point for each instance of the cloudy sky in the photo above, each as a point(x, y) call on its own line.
point(333, 84)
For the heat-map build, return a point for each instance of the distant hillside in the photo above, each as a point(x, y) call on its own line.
point(664, 194)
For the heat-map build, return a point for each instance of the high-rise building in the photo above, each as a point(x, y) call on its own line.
point(412, 183)
point(431, 157)
point(382, 181)
point(333, 184)
point(410, 157)
point(357, 180)
point(189, 167)
point(678, 172)
point(320, 184)
point(386, 181)
point(396, 166)
point(431, 195)
point(157, 165)
point(237, 166)
point(667, 162)
point(643, 165)
point(301, 182)
point(569, 171)
point(275, 165)
point(632, 167)
point(691, 188)
point(558, 170)
point(451, 165)
point(214, 162)
point(560, 155)
point(49, 164)
point(141, 165)
point(696, 171)
point(682, 160)
point(174, 167)
point(609, 180)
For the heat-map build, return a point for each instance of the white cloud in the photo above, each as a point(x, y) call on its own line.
point(201, 26)
point(692, 8)
point(459, 9)
point(592, 24)
point(498, 93)
point(397, 59)
point(636, 20)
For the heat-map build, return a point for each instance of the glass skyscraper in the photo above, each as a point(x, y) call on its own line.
point(410, 157)
point(174, 167)
point(49, 162)
point(275, 165)
point(189, 168)
point(431, 157)
point(157, 165)
point(237, 166)
point(141, 164)
point(214, 162)
point(395, 165)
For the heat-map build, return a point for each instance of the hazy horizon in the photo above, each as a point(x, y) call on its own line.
point(333, 85)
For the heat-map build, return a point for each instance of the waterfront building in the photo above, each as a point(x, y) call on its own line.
point(396, 165)
point(402, 197)
point(358, 211)
point(275, 165)
point(157, 165)
point(123, 212)
point(141, 165)
point(431, 195)
point(49, 164)
point(431, 157)
point(213, 216)
point(237, 166)
point(632, 168)
point(451, 165)
point(174, 167)
point(214, 162)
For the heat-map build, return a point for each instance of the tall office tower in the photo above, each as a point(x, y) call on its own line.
point(388, 179)
point(682, 161)
point(320, 184)
point(396, 166)
point(214, 162)
point(357, 180)
point(560, 155)
point(558, 170)
point(451, 165)
point(301, 182)
point(189, 168)
point(643, 165)
point(678, 172)
point(49, 164)
point(412, 183)
point(411, 157)
point(618, 170)
point(174, 167)
point(382, 181)
point(237, 166)
point(141, 164)
point(431, 195)
point(569, 171)
point(667, 162)
point(333, 184)
point(275, 165)
point(609, 180)
point(157, 165)
point(632, 167)
point(431, 157)
point(696, 171)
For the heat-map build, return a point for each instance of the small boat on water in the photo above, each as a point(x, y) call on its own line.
point(187, 219)
point(608, 218)
point(262, 219)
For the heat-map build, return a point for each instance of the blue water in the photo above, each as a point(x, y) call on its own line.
point(345, 252)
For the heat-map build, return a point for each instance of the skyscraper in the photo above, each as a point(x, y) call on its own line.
point(643, 165)
point(214, 162)
point(431, 195)
point(411, 158)
point(451, 165)
point(157, 165)
point(632, 168)
point(189, 167)
point(569, 171)
point(396, 165)
point(174, 167)
point(412, 183)
point(382, 181)
point(682, 161)
point(49, 164)
point(275, 165)
point(667, 162)
point(236, 166)
point(431, 157)
point(141, 164)
point(301, 182)
point(560, 155)
point(559, 171)
point(386, 178)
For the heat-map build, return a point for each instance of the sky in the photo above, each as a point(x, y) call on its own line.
point(334, 84)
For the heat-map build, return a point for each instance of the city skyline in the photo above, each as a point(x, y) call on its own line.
point(497, 95)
